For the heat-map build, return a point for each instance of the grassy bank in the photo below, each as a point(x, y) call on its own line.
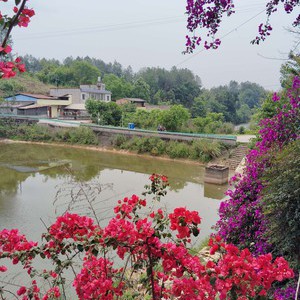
point(197, 150)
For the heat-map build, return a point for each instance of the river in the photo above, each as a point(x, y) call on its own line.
point(37, 183)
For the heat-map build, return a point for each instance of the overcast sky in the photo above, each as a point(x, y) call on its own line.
point(152, 33)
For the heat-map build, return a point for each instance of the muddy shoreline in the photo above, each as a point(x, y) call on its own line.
point(103, 149)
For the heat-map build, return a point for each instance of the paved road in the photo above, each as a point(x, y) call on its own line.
point(245, 138)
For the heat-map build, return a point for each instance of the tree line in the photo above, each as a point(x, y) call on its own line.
point(236, 101)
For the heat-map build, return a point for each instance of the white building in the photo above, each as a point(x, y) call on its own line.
point(84, 92)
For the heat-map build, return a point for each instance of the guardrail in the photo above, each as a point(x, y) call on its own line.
point(232, 138)
point(135, 131)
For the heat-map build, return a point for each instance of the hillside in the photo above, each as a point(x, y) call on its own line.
point(23, 83)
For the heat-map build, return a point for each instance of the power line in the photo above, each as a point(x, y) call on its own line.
point(222, 37)
point(111, 27)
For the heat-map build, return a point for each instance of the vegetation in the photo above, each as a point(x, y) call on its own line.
point(201, 150)
point(235, 101)
point(266, 198)
point(23, 83)
point(153, 256)
point(35, 132)
point(104, 113)
point(281, 203)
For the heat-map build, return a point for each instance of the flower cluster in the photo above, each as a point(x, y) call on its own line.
point(15, 245)
point(73, 226)
point(206, 16)
point(144, 244)
point(8, 68)
point(127, 206)
point(21, 17)
point(158, 186)
point(95, 281)
point(185, 222)
point(241, 219)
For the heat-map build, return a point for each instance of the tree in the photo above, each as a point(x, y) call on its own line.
point(118, 86)
point(104, 113)
point(206, 17)
point(84, 72)
point(141, 89)
point(281, 203)
point(290, 69)
point(174, 118)
point(198, 108)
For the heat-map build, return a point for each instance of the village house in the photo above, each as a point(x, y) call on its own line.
point(35, 105)
point(84, 92)
point(136, 101)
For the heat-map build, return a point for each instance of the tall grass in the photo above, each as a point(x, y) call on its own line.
point(200, 150)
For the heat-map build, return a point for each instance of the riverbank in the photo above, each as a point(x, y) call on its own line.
point(201, 151)
point(103, 149)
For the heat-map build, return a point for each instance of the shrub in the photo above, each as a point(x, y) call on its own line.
point(118, 140)
point(205, 150)
point(178, 150)
point(281, 203)
point(82, 135)
point(107, 262)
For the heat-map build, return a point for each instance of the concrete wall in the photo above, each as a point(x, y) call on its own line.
point(216, 174)
point(76, 94)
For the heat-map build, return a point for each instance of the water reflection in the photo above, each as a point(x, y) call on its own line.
point(27, 197)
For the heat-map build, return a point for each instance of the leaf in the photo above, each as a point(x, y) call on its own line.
point(80, 247)
point(17, 2)
point(95, 252)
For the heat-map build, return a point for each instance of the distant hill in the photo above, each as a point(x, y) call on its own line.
point(23, 83)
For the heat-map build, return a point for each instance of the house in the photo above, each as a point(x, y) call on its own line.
point(160, 107)
point(137, 101)
point(75, 111)
point(84, 92)
point(35, 105)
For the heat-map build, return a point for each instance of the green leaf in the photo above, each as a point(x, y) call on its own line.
point(95, 252)
point(80, 248)
point(17, 2)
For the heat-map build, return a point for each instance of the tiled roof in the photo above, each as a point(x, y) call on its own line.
point(134, 100)
point(94, 91)
point(38, 96)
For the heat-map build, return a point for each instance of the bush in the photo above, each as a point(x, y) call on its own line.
point(82, 135)
point(281, 203)
point(119, 140)
point(178, 150)
point(205, 150)
point(242, 130)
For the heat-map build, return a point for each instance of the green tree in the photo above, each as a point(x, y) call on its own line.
point(281, 203)
point(141, 89)
point(118, 86)
point(104, 113)
point(290, 69)
point(251, 94)
point(174, 118)
point(198, 108)
point(211, 123)
point(84, 72)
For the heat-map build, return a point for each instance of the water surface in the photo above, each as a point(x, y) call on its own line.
point(37, 182)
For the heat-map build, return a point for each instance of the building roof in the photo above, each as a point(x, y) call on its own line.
point(134, 100)
point(28, 97)
point(37, 96)
point(160, 107)
point(6, 104)
point(76, 106)
point(32, 106)
point(94, 91)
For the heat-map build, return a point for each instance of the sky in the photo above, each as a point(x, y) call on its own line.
point(140, 33)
